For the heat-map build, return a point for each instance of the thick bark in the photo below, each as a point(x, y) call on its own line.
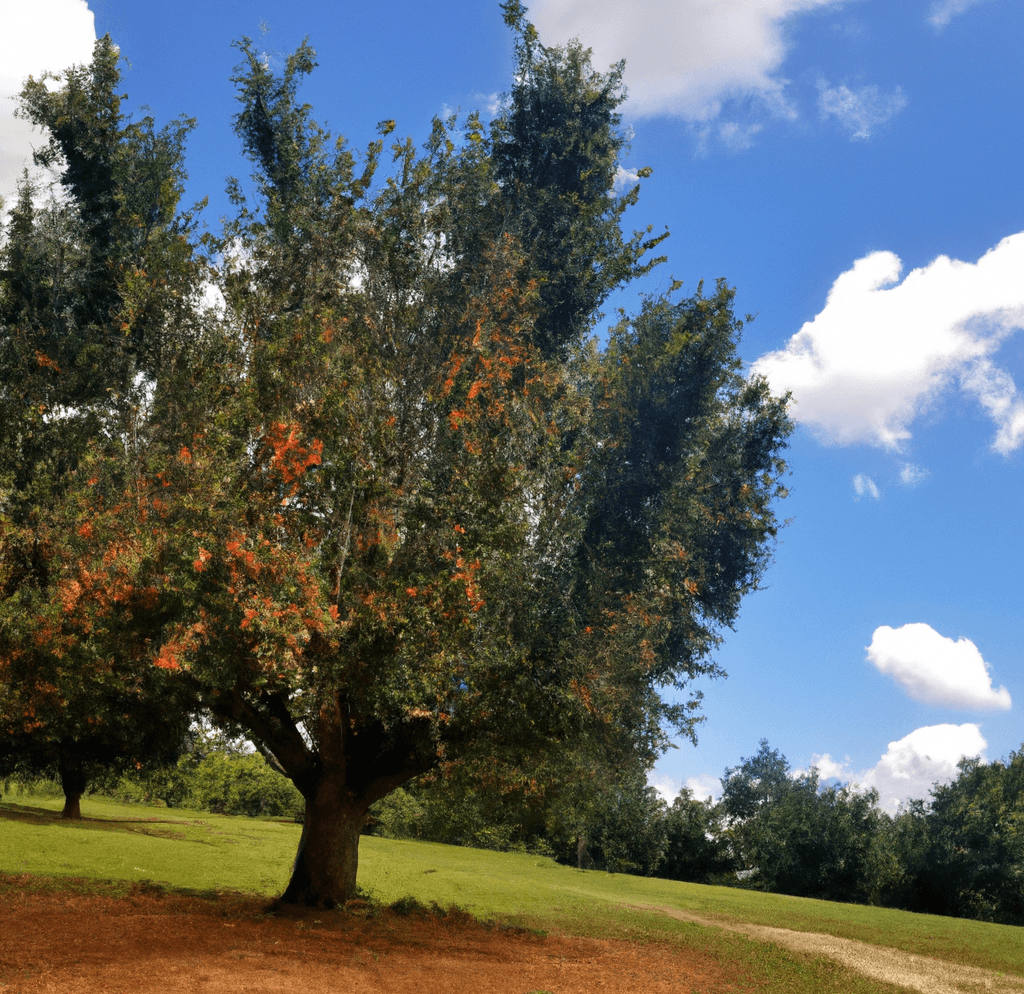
point(72, 782)
point(324, 874)
point(351, 767)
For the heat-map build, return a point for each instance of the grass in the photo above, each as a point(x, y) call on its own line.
point(185, 849)
point(532, 890)
point(200, 852)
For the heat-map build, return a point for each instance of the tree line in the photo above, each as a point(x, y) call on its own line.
point(958, 853)
point(388, 509)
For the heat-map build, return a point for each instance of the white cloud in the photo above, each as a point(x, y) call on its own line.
point(911, 475)
point(828, 768)
point(935, 669)
point(911, 765)
point(625, 178)
point(736, 137)
point(489, 105)
point(703, 787)
point(943, 11)
point(211, 298)
point(45, 35)
point(861, 111)
point(865, 485)
point(996, 392)
point(882, 350)
point(683, 57)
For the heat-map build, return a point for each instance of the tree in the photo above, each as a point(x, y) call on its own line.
point(799, 837)
point(556, 152)
point(629, 833)
point(898, 857)
point(90, 285)
point(697, 847)
point(757, 783)
point(392, 513)
point(975, 863)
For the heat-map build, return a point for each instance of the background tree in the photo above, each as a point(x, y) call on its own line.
point(757, 783)
point(384, 516)
point(90, 286)
point(697, 846)
point(899, 853)
point(974, 867)
point(798, 837)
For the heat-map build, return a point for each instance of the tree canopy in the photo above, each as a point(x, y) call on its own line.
point(390, 508)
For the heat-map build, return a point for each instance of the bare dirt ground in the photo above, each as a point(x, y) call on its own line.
point(158, 942)
point(919, 973)
point(154, 941)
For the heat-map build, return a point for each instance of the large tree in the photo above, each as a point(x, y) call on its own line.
point(394, 511)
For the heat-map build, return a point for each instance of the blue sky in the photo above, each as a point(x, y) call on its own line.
point(854, 169)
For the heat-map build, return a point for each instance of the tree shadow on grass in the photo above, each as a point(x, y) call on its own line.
point(32, 815)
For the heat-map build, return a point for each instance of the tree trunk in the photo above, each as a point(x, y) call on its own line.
point(324, 874)
point(72, 782)
point(584, 861)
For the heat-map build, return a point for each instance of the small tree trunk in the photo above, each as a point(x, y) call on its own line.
point(583, 858)
point(72, 782)
point(324, 874)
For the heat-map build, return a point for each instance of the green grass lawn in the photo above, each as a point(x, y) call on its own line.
point(201, 852)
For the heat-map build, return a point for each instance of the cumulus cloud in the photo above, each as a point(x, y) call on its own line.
point(943, 11)
point(936, 669)
point(46, 35)
point(912, 765)
point(864, 485)
point(860, 112)
point(882, 350)
point(683, 57)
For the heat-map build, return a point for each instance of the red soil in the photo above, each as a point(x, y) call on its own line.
point(151, 941)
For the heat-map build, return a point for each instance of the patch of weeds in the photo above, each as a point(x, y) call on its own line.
point(362, 907)
point(147, 888)
point(451, 915)
point(406, 906)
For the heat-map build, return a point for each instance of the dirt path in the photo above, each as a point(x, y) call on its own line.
point(919, 973)
point(175, 945)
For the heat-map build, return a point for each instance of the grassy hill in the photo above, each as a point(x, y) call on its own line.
point(204, 853)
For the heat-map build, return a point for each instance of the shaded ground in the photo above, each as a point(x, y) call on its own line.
point(151, 941)
point(919, 973)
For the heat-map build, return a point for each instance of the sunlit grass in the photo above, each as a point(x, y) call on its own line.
point(533, 890)
point(185, 849)
point(198, 851)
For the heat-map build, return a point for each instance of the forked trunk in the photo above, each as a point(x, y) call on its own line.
point(324, 874)
point(72, 782)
